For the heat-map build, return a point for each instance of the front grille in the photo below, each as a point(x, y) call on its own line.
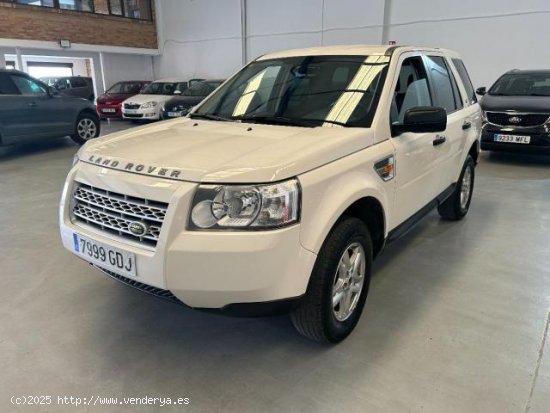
point(148, 289)
point(133, 115)
point(113, 212)
point(520, 119)
point(131, 106)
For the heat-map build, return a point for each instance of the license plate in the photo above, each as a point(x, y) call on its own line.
point(174, 114)
point(130, 111)
point(108, 110)
point(121, 262)
point(513, 139)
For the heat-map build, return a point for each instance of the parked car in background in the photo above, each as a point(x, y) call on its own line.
point(148, 104)
point(283, 185)
point(516, 112)
point(50, 81)
point(75, 86)
point(183, 102)
point(109, 104)
point(29, 109)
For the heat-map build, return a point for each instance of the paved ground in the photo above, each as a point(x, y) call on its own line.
point(455, 322)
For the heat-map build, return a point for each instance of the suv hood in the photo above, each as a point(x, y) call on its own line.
point(530, 104)
point(223, 152)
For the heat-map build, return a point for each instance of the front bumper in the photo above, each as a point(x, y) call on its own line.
point(149, 113)
point(539, 142)
point(203, 269)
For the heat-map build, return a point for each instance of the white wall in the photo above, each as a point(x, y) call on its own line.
point(203, 37)
point(492, 36)
point(198, 38)
point(118, 67)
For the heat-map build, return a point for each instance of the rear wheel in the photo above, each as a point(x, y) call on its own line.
point(339, 283)
point(87, 127)
point(457, 205)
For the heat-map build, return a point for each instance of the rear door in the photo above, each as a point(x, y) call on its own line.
point(447, 95)
point(417, 177)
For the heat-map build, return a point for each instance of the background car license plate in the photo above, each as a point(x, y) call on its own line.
point(121, 262)
point(108, 110)
point(513, 139)
point(174, 114)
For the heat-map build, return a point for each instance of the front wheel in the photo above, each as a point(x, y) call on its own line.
point(87, 127)
point(339, 283)
point(457, 205)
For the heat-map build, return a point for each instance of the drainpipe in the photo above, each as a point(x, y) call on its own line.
point(244, 33)
point(386, 22)
point(19, 58)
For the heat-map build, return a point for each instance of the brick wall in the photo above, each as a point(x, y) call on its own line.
point(41, 23)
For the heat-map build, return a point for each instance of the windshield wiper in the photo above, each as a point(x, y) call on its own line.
point(274, 120)
point(208, 117)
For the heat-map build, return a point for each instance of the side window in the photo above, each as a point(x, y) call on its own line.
point(7, 87)
point(412, 89)
point(27, 86)
point(444, 92)
point(463, 73)
point(78, 82)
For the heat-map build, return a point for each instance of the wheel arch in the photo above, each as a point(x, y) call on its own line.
point(369, 210)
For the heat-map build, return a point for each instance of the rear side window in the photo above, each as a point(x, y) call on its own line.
point(78, 82)
point(7, 87)
point(463, 73)
point(442, 84)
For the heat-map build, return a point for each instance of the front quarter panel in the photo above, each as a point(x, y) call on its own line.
point(329, 190)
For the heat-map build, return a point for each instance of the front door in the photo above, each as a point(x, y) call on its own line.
point(418, 181)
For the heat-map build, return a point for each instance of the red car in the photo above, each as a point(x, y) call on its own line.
point(108, 105)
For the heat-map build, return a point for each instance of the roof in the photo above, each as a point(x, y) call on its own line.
point(350, 50)
point(529, 72)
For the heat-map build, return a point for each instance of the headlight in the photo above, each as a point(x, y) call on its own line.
point(245, 206)
point(484, 116)
point(149, 105)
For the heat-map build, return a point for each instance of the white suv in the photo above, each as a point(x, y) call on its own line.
point(278, 191)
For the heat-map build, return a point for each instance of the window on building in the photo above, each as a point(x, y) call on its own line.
point(10, 64)
point(80, 5)
point(43, 3)
point(133, 9)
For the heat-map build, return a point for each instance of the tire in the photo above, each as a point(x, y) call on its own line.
point(86, 127)
point(315, 317)
point(457, 205)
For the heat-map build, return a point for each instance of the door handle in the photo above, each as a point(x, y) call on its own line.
point(33, 104)
point(439, 140)
point(466, 125)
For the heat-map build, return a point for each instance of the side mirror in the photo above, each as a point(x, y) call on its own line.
point(481, 91)
point(422, 119)
point(177, 92)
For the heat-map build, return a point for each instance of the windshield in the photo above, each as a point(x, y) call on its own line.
point(522, 84)
point(201, 89)
point(164, 88)
point(125, 88)
point(305, 91)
